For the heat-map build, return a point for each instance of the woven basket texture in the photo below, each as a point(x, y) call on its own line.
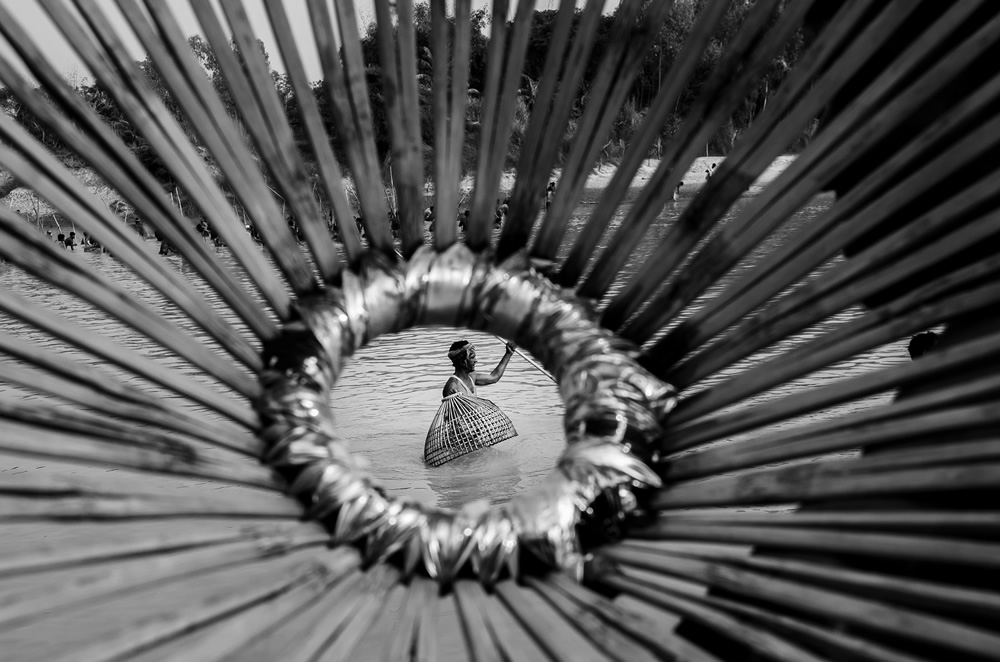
point(464, 423)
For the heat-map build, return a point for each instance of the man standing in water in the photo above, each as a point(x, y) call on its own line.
point(466, 379)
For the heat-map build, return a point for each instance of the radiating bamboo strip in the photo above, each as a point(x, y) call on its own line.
point(76, 335)
point(825, 480)
point(964, 355)
point(86, 386)
point(965, 392)
point(884, 518)
point(294, 179)
point(760, 640)
point(470, 599)
point(190, 88)
point(985, 449)
point(833, 642)
point(286, 640)
point(904, 421)
point(299, 639)
point(183, 606)
point(348, 637)
point(488, 627)
point(729, 244)
point(398, 61)
point(32, 547)
point(914, 245)
point(133, 181)
point(59, 478)
point(382, 626)
point(448, 83)
point(446, 191)
point(52, 182)
point(331, 177)
point(660, 581)
point(887, 323)
point(763, 212)
point(605, 636)
point(542, 124)
point(548, 125)
point(936, 549)
point(108, 507)
point(582, 152)
point(426, 648)
point(128, 86)
point(447, 634)
point(932, 466)
point(831, 639)
point(632, 33)
point(479, 224)
point(912, 101)
point(352, 111)
point(391, 636)
point(167, 450)
point(686, 62)
point(710, 550)
point(873, 198)
point(940, 217)
point(221, 639)
point(498, 118)
point(403, 641)
point(691, 588)
point(665, 620)
point(934, 596)
point(42, 258)
point(894, 619)
point(235, 159)
point(637, 624)
point(872, 271)
point(64, 588)
point(116, 431)
point(81, 441)
point(248, 80)
point(746, 57)
point(665, 102)
point(514, 642)
point(717, 102)
point(552, 631)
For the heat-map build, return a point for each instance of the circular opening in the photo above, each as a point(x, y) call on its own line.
point(389, 392)
point(614, 410)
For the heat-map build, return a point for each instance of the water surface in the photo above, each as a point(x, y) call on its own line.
point(389, 393)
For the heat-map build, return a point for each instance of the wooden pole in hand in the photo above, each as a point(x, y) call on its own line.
point(530, 360)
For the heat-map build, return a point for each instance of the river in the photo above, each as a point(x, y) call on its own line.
point(390, 391)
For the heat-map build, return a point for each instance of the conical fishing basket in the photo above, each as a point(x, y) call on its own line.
point(464, 423)
point(753, 468)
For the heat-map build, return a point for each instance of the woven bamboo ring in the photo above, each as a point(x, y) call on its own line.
point(614, 411)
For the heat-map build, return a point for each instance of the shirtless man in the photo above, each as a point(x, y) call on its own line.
point(466, 379)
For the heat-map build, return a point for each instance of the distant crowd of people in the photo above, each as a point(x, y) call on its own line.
point(69, 241)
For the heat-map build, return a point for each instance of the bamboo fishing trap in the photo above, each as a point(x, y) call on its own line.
point(462, 424)
point(667, 530)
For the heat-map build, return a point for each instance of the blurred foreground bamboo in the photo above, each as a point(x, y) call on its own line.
point(696, 513)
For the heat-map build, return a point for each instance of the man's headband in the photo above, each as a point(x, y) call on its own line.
point(459, 352)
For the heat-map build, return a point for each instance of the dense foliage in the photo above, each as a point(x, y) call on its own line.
point(655, 68)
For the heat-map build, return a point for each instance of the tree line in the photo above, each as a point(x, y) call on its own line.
point(651, 75)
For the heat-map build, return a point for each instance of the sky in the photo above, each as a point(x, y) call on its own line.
point(33, 19)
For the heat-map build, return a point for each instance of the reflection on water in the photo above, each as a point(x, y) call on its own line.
point(389, 393)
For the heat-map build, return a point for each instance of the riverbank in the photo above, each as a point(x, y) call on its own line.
point(28, 205)
point(693, 179)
